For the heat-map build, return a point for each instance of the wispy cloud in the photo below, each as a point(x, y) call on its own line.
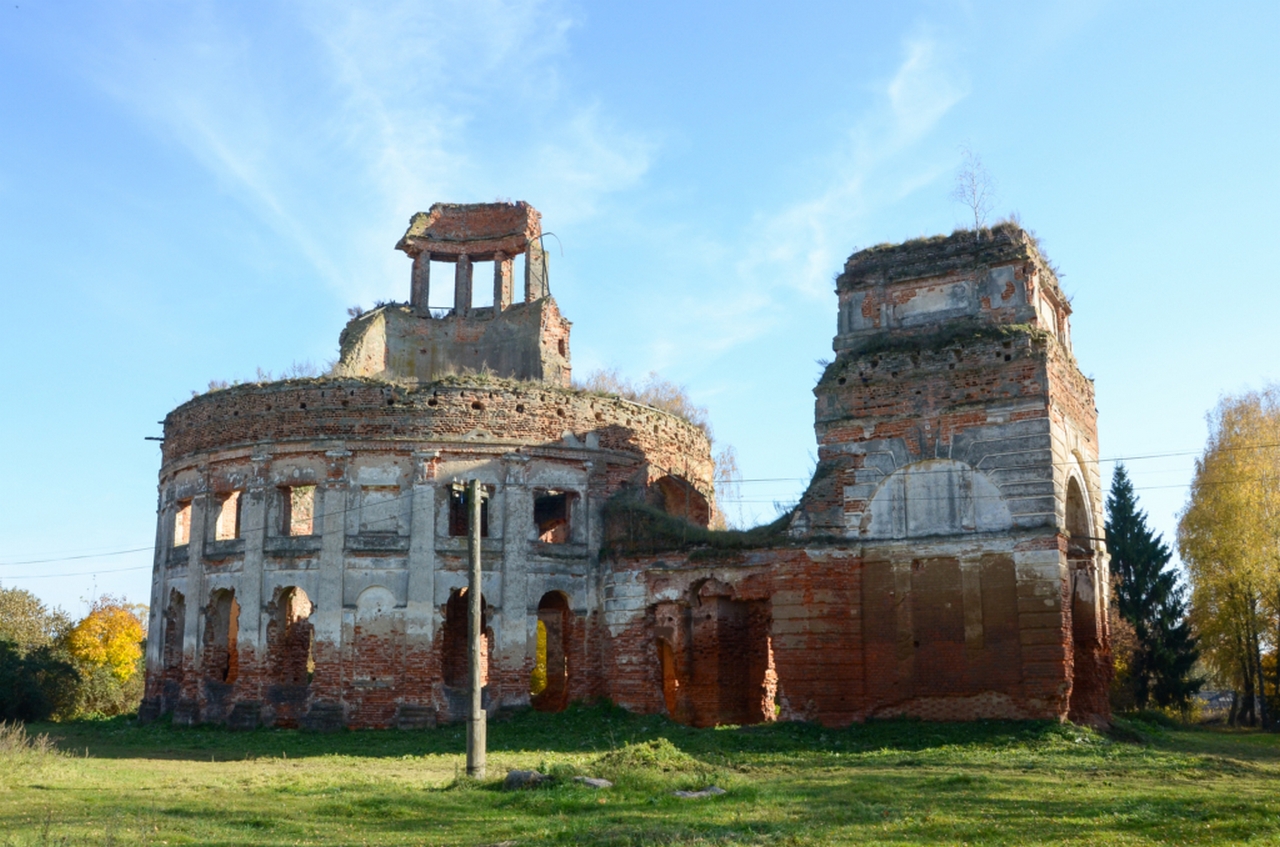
point(810, 237)
point(375, 114)
point(795, 250)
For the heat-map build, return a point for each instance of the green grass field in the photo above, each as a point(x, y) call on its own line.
point(881, 783)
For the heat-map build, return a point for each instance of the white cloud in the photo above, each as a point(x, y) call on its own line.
point(809, 238)
point(333, 122)
point(796, 250)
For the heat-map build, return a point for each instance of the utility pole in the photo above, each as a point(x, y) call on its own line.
point(475, 629)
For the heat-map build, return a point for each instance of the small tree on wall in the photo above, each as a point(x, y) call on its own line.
point(1151, 601)
point(974, 188)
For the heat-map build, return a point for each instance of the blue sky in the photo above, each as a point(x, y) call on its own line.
point(194, 191)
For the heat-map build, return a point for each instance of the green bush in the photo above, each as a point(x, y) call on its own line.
point(35, 686)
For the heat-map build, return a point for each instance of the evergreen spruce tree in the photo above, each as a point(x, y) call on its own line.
point(1151, 600)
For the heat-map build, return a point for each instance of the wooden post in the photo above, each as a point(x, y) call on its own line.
point(475, 629)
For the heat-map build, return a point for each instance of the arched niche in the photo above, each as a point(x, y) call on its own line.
point(676, 496)
point(377, 636)
point(935, 497)
point(551, 666)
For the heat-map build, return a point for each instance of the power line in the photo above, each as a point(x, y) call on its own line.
point(81, 573)
point(753, 480)
point(73, 558)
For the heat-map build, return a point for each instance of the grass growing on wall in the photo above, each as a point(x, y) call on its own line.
point(633, 526)
point(894, 782)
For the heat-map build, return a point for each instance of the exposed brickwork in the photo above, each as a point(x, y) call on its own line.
point(942, 564)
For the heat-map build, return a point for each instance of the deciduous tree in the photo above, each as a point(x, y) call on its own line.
point(109, 636)
point(28, 623)
point(974, 188)
point(106, 647)
point(1229, 537)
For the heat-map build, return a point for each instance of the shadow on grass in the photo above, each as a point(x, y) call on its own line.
point(580, 729)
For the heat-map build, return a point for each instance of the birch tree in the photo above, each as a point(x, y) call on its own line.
point(1229, 538)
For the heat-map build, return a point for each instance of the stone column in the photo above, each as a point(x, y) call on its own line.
point(253, 529)
point(159, 586)
point(420, 287)
point(198, 596)
point(419, 613)
point(331, 517)
point(501, 282)
point(535, 273)
point(519, 610)
point(462, 286)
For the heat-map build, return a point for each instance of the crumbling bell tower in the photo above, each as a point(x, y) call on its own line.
point(958, 448)
point(519, 340)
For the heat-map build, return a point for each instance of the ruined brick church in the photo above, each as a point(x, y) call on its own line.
point(945, 561)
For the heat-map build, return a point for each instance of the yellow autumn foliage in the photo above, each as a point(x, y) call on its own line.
point(1229, 538)
point(538, 679)
point(109, 636)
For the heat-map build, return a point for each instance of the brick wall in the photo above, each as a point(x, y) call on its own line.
point(332, 410)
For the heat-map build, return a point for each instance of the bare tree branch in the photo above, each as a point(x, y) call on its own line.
point(975, 188)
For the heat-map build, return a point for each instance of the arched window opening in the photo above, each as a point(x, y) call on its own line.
point(1078, 519)
point(291, 637)
point(677, 496)
point(554, 621)
point(222, 624)
point(454, 661)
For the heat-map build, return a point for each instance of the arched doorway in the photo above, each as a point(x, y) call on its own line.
point(1091, 660)
point(551, 664)
point(291, 637)
point(454, 662)
point(290, 654)
point(222, 625)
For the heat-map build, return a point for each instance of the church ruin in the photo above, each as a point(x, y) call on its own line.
point(944, 562)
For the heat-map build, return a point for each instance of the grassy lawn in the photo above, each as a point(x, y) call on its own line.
point(881, 783)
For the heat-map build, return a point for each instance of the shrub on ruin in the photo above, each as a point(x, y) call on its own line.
point(655, 391)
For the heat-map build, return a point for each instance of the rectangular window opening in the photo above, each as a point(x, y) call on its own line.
point(551, 511)
point(440, 298)
point(458, 518)
point(481, 285)
point(299, 502)
point(182, 524)
point(228, 525)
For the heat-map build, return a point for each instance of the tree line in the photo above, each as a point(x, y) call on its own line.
point(54, 667)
